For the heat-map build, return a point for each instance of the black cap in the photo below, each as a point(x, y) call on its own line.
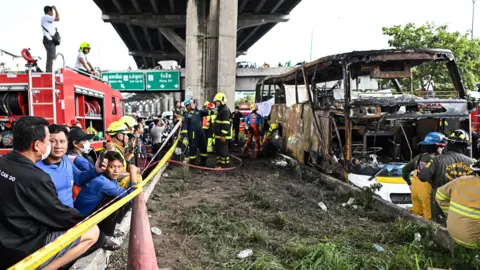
point(77, 134)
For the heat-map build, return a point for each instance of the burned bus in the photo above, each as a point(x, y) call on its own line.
point(360, 116)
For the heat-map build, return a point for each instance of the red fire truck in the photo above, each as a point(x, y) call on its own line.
point(62, 98)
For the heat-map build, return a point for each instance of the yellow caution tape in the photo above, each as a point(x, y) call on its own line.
point(40, 256)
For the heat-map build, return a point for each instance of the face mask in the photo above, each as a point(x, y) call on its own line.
point(47, 151)
point(86, 147)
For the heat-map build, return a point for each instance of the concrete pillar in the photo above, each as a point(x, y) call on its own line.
point(164, 103)
point(195, 58)
point(211, 52)
point(227, 49)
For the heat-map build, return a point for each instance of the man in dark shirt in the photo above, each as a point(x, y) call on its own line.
point(236, 115)
point(31, 215)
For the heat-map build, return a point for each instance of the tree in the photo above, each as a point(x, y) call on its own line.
point(248, 99)
point(466, 51)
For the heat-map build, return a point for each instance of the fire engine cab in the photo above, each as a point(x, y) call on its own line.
point(63, 97)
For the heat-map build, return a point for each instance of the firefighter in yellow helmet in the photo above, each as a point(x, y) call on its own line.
point(222, 129)
point(82, 64)
point(268, 149)
point(118, 133)
point(207, 125)
point(253, 123)
point(458, 200)
point(130, 122)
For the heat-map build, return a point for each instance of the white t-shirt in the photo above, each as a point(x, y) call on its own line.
point(47, 23)
point(79, 65)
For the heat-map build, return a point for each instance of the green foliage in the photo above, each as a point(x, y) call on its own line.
point(248, 99)
point(429, 35)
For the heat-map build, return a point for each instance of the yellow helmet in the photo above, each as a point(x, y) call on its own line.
point(129, 121)
point(85, 45)
point(273, 127)
point(220, 97)
point(117, 127)
point(254, 107)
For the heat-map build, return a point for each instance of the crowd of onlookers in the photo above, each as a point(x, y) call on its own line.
point(49, 183)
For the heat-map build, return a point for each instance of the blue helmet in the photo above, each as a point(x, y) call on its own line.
point(187, 102)
point(434, 138)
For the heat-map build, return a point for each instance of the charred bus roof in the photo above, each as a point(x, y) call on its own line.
point(396, 63)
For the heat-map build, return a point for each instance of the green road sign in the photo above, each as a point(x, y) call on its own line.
point(125, 81)
point(168, 80)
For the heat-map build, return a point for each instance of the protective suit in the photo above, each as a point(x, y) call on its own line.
point(254, 123)
point(222, 130)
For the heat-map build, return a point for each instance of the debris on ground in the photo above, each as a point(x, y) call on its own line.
point(323, 206)
point(245, 254)
point(417, 236)
point(156, 231)
point(208, 218)
point(378, 248)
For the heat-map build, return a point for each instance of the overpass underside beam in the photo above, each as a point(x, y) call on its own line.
point(211, 49)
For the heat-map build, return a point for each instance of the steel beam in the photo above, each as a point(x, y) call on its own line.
point(242, 6)
point(172, 6)
point(160, 39)
point(248, 37)
point(277, 6)
point(156, 54)
point(117, 6)
point(177, 42)
point(157, 20)
point(153, 3)
point(134, 37)
point(259, 6)
point(250, 20)
point(136, 6)
point(148, 38)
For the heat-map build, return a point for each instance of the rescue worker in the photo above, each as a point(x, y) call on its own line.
point(421, 191)
point(208, 126)
point(82, 64)
point(222, 129)
point(192, 133)
point(253, 123)
point(236, 116)
point(446, 167)
point(130, 122)
point(268, 149)
point(118, 133)
point(458, 200)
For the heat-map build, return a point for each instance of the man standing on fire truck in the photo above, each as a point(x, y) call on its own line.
point(49, 31)
point(222, 129)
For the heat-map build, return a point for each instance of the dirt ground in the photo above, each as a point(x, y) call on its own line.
point(207, 218)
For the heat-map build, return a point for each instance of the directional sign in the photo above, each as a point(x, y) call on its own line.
point(125, 81)
point(165, 80)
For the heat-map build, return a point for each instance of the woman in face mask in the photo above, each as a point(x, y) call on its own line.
point(78, 149)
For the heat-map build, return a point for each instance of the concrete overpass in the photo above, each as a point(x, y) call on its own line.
point(207, 35)
point(155, 30)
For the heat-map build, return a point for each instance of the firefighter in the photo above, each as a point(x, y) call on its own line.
point(131, 148)
point(268, 149)
point(207, 125)
point(253, 123)
point(236, 116)
point(458, 200)
point(421, 191)
point(446, 167)
point(193, 135)
point(118, 133)
point(222, 129)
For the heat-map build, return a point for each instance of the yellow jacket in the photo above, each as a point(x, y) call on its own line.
point(460, 201)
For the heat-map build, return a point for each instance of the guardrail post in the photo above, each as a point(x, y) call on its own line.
point(141, 251)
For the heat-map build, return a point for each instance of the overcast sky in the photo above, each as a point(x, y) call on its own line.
point(337, 26)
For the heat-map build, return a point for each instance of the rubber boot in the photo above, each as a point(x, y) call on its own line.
point(203, 161)
point(193, 161)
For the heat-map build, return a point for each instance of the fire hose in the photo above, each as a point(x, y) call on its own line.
point(201, 167)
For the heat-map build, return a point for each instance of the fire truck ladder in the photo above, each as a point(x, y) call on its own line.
point(33, 91)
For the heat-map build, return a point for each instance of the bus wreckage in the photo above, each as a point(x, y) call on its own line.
point(365, 112)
